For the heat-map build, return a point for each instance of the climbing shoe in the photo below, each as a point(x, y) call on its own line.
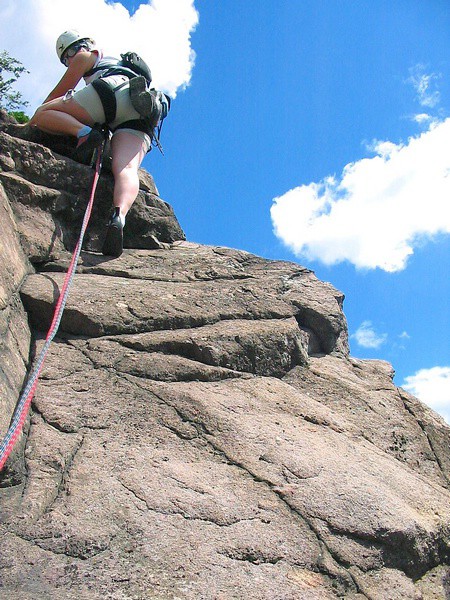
point(141, 98)
point(113, 245)
point(87, 144)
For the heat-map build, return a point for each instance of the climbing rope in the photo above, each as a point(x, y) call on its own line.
point(23, 405)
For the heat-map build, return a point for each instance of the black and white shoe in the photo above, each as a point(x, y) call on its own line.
point(113, 245)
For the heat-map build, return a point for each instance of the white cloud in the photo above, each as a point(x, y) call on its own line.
point(378, 210)
point(159, 30)
point(424, 119)
point(425, 86)
point(432, 386)
point(367, 337)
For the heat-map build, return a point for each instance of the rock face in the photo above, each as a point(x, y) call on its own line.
point(49, 192)
point(199, 430)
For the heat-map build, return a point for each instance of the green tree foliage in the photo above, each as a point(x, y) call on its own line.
point(19, 116)
point(10, 71)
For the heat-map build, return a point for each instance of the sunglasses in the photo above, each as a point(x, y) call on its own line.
point(70, 53)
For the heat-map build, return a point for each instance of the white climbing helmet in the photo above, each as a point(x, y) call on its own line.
point(67, 39)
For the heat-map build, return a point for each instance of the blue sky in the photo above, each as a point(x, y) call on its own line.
point(313, 131)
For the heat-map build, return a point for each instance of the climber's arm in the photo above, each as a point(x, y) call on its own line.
point(78, 66)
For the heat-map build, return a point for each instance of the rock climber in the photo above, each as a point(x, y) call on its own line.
point(79, 113)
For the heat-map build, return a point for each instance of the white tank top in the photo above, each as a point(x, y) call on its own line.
point(106, 61)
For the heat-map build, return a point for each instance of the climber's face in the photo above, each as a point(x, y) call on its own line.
point(71, 52)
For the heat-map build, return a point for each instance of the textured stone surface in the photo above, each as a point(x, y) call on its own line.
point(201, 432)
point(49, 192)
point(14, 330)
point(201, 286)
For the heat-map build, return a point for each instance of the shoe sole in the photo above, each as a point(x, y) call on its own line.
point(113, 245)
point(141, 99)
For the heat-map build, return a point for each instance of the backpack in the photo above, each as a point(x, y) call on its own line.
point(132, 61)
point(160, 107)
point(161, 102)
point(160, 110)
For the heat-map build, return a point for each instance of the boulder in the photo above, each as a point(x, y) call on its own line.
point(200, 430)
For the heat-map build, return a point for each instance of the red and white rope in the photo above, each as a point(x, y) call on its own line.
point(23, 405)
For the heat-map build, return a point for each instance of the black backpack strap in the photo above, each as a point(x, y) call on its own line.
point(112, 70)
point(108, 67)
point(107, 97)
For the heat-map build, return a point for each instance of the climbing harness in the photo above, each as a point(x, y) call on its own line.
point(23, 405)
point(156, 106)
